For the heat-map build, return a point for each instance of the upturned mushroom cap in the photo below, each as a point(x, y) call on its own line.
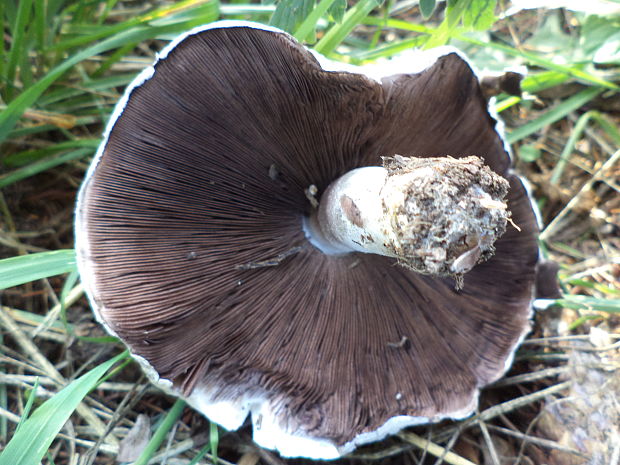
point(191, 247)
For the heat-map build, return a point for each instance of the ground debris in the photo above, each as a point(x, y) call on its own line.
point(586, 419)
point(136, 440)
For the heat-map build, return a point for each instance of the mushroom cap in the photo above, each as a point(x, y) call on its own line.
point(191, 248)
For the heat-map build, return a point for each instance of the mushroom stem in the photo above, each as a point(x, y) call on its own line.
point(437, 216)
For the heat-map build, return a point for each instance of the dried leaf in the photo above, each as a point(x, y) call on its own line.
point(136, 440)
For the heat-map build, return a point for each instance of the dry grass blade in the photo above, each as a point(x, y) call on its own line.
point(72, 297)
point(519, 402)
point(36, 433)
point(600, 175)
point(10, 416)
point(489, 442)
point(546, 443)
point(503, 408)
point(41, 361)
point(383, 453)
point(64, 65)
point(530, 377)
point(434, 449)
point(129, 401)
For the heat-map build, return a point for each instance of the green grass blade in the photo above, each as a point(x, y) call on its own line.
point(12, 113)
point(389, 50)
point(534, 59)
point(582, 320)
point(397, 24)
point(528, 57)
point(595, 304)
point(575, 135)
point(214, 439)
point(17, 47)
point(45, 128)
point(40, 29)
point(555, 114)
point(109, 4)
point(54, 10)
point(309, 24)
point(534, 83)
point(338, 32)
point(66, 289)
point(10, 11)
point(115, 57)
point(31, 442)
point(28, 407)
point(3, 61)
point(42, 165)
point(164, 428)
point(448, 27)
point(211, 446)
point(107, 83)
point(85, 33)
point(94, 33)
point(595, 286)
point(204, 451)
point(506, 103)
point(20, 270)
point(19, 159)
point(126, 360)
point(608, 125)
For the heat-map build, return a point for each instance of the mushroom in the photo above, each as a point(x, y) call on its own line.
point(235, 231)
